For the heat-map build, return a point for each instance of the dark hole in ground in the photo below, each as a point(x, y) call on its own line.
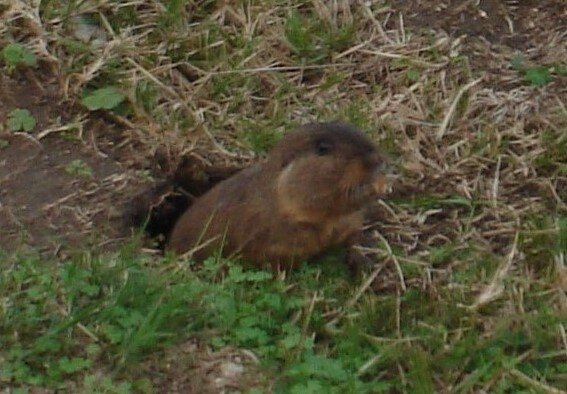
point(157, 210)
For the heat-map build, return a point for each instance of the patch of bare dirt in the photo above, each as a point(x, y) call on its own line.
point(518, 24)
point(44, 204)
point(191, 368)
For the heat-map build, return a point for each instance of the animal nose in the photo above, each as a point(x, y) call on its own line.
point(382, 178)
point(382, 174)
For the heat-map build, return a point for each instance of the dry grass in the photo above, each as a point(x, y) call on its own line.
point(482, 152)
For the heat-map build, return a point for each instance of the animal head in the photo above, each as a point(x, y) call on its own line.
point(327, 169)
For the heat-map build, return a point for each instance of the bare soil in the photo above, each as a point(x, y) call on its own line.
point(192, 368)
point(43, 204)
point(517, 24)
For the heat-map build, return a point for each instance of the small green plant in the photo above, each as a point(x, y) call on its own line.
point(79, 168)
point(313, 39)
point(535, 75)
point(4, 144)
point(560, 69)
point(412, 75)
point(146, 96)
point(16, 54)
point(554, 158)
point(173, 15)
point(260, 136)
point(357, 112)
point(538, 76)
point(21, 119)
point(108, 97)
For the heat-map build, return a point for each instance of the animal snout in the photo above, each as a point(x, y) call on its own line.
point(381, 184)
point(382, 176)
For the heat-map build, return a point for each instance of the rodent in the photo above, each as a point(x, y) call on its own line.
point(307, 196)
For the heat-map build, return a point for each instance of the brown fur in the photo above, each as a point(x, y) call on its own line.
point(307, 196)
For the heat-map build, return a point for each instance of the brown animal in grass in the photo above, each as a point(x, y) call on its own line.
point(307, 196)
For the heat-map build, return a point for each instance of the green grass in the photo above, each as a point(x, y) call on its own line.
point(61, 320)
point(314, 40)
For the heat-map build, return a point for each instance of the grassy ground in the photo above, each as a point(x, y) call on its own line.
point(469, 289)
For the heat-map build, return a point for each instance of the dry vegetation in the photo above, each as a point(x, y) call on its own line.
point(469, 291)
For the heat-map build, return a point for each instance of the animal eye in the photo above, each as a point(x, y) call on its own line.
point(324, 147)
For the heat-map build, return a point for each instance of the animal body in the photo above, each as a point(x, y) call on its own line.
point(308, 195)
